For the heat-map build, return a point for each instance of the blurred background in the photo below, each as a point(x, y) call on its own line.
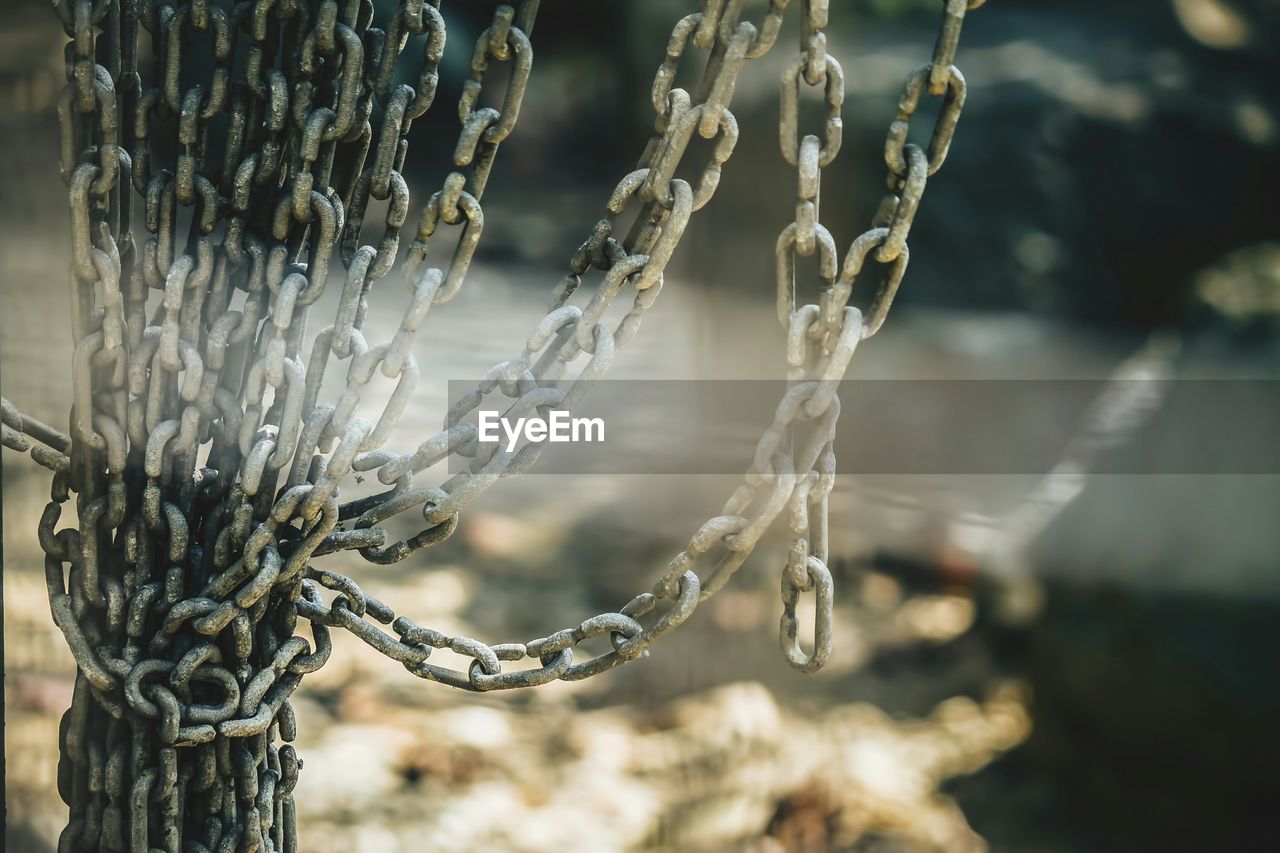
point(1016, 667)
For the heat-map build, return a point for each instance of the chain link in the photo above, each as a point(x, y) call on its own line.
point(206, 468)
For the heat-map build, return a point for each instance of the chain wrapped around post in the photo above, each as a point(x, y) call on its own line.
point(205, 467)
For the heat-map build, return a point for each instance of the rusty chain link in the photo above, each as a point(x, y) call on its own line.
point(206, 468)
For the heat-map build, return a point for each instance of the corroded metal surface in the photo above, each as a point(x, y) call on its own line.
point(206, 467)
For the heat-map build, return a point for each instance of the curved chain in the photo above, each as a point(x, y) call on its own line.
point(183, 592)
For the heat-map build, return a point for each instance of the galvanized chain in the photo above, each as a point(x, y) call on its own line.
point(822, 336)
point(207, 470)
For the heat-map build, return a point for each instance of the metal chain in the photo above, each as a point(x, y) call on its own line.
point(207, 470)
point(822, 336)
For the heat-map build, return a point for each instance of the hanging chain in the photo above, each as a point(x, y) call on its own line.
point(206, 468)
point(822, 336)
